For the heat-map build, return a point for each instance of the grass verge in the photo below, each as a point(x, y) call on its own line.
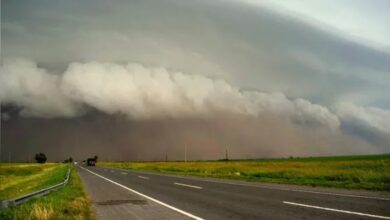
point(69, 202)
point(371, 172)
point(20, 179)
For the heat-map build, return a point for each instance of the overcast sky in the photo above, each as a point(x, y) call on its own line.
point(324, 63)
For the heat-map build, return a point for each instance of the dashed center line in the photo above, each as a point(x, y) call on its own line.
point(143, 177)
point(182, 184)
point(124, 173)
point(336, 210)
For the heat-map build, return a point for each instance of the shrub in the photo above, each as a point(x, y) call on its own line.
point(40, 158)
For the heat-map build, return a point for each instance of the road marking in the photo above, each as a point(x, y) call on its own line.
point(277, 188)
point(268, 187)
point(143, 177)
point(148, 197)
point(331, 194)
point(124, 173)
point(336, 210)
point(112, 171)
point(182, 184)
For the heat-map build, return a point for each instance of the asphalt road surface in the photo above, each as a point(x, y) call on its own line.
point(124, 194)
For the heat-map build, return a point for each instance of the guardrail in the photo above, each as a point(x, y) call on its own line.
point(42, 192)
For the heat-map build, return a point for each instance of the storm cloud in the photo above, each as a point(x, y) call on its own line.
point(142, 92)
point(159, 74)
point(154, 110)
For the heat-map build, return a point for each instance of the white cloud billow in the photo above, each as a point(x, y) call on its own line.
point(143, 92)
point(368, 118)
point(24, 84)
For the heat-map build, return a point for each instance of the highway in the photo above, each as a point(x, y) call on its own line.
point(181, 197)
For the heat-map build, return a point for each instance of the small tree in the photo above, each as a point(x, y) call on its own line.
point(40, 158)
point(96, 158)
point(69, 160)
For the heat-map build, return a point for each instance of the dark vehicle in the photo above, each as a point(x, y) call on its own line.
point(91, 162)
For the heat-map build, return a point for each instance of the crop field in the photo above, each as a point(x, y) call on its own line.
point(69, 202)
point(370, 172)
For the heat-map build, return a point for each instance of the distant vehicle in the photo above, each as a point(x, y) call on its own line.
point(91, 162)
point(75, 163)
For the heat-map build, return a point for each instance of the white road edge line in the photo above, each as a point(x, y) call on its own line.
point(148, 197)
point(273, 188)
point(143, 177)
point(182, 184)
point(336, 210)
point(331, 194)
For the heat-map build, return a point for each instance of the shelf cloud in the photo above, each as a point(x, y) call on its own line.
point(271, 78)
point(142, 92)
point(148, 99)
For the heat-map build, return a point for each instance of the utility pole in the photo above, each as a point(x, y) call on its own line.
point(166, 155)
point(226, 155)
point(1, 138)
point(185, 153)
point(9, 158)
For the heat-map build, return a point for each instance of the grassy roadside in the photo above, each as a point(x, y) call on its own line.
point(371, 172)
point(20, 179)
point(70, 202)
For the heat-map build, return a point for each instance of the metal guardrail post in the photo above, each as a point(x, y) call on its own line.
point(4, 204)
point(22, 199)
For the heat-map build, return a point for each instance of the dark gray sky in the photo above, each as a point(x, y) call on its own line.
point(322, 66)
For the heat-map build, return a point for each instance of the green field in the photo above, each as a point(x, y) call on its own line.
point(371, 172)
point(69, 202)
